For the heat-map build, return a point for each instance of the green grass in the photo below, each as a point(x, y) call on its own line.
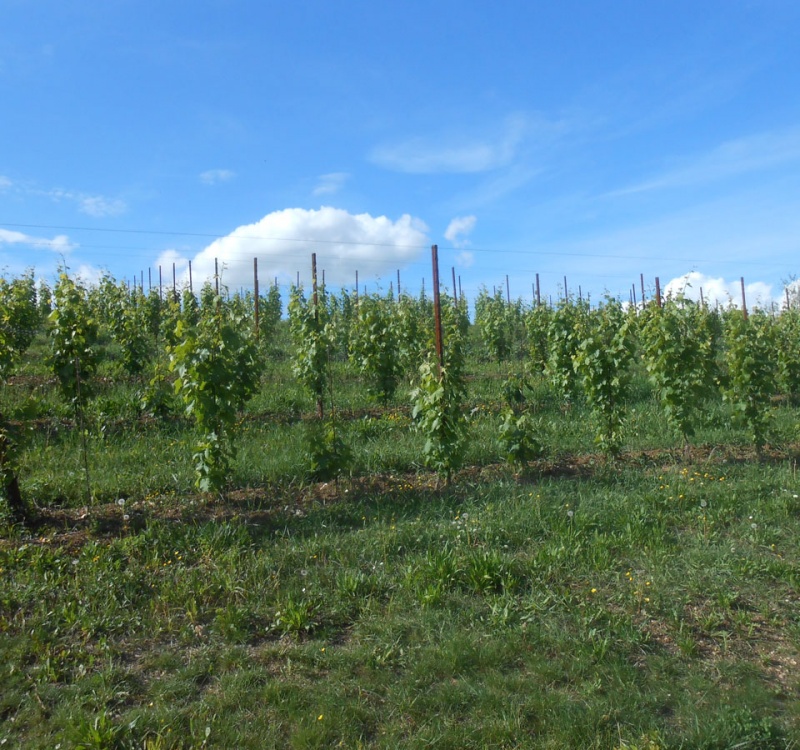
point(567, 612)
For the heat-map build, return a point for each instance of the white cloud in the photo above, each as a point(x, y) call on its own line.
point(284, 240)
point(454, 153)
point(214, 176)
point(331, 183)
point(5, 183)
point(719, 291)
point(58, 244)
point(459, 228)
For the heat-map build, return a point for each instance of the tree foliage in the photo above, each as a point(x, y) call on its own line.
point(217, 372)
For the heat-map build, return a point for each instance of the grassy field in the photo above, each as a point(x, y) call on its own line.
point(650, 602)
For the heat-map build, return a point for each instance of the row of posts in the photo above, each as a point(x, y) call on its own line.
point(535, 288)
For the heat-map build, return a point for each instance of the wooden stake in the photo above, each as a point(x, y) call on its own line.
point(437, 309)
point(320, 405)
point(744, 301)
point(255, 294)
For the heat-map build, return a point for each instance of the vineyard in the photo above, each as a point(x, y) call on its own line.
point(239, 520)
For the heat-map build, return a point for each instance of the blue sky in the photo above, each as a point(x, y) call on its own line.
point(597, 141)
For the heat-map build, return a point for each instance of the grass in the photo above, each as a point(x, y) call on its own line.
point(568, 612)
point(647, 603)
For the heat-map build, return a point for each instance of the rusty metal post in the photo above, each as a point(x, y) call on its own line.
point(437, 308)
point(744, 301)
point(320, 405)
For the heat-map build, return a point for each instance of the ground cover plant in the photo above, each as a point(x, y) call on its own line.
point(636, 591)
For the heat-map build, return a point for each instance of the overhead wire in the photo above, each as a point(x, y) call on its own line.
point(248, 254)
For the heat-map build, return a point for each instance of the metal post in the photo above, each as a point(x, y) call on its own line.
point(255, 294)
point(437, 309)
point(744, 301)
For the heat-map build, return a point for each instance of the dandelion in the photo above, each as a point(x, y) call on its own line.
point(570, 513)
point(121, 502)
point(703, 503)
point(320, 717)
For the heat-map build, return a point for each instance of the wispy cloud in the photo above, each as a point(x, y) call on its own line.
point(730, 159)
point(454, 152)
point(465, 259)
point(458, 229)
point(58, 244)
point(215, 176)
point(329, 184)
point(87, 203)
point(92, 205)
point(97, 205)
